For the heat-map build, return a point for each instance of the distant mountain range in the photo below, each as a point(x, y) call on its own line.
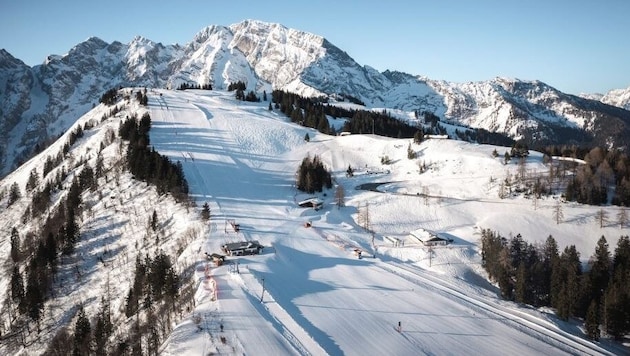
point(41, 102)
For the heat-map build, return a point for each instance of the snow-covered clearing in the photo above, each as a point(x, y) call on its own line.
point(308, 293)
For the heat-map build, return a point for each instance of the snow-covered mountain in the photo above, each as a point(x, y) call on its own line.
point(618, 97)
point(615, 97)
point(43, 101)
point(307, 293)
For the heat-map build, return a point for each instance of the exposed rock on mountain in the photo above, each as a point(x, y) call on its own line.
point(41, 102)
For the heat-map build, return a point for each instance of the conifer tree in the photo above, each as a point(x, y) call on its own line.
point(34, 296)
point(591, 323)
point(14, 194)
point(323, 126)
point(550, 257)
point(15, 245)
point(504, 277)
point(33, 181)
point(136, 338)
point(565, 284)
point(520, 288)
point(205, 212)
point(154, 221)
point(601, 263)
point(621, 261)
point(17, 289)
point(82, 334)
point(61, 344)
point(617, 296)
point(312, 176)
point(131, 303)
point(102, 328)
point(71, 232)
point(616, 314)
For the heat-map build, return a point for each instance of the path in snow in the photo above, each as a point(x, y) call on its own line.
point(321, 298)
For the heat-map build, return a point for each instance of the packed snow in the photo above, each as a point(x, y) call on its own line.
point(322, 283)
point(308, 292)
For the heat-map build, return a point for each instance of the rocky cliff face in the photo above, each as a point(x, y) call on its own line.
point(17, 85)
point(41, 102)
point(532, 110)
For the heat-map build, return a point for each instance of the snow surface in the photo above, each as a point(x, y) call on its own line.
point(113, 229)
point(308, 293)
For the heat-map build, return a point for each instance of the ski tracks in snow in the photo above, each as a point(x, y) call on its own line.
point(527, 323)
point(280, 320)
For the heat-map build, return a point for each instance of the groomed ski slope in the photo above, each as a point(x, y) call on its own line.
point(317, 296)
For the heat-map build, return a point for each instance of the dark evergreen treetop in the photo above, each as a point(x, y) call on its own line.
point(312, 176)
point(110, 97)
point(148, 165)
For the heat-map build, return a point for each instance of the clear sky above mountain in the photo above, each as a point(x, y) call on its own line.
point(576, 46)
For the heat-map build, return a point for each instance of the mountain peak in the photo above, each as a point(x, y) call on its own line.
point(89, 46)
point(7, 60)
point(268, 56)
point(204, 34)
point(256, 25)
point(618, 97)
point(141, 40)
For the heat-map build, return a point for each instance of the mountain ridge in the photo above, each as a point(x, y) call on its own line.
point(42, 101)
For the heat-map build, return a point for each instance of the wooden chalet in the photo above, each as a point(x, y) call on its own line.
point(311, 203)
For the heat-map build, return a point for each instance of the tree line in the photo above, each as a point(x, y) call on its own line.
point(311, 112)
point(110, 97)
point(240, 88)
point(148, 165)
point(541, 275)
point(142, 98)
point(604, 178)
point(184, 86)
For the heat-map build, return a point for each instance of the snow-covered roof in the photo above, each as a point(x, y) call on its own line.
point(242, 245)
point(426, 236)
point(311, 201)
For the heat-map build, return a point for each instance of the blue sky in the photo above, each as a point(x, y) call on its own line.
point(576, 46)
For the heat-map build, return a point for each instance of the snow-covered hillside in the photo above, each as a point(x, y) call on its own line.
point(308, 293)
point(42, 102)
point(318, 297)
point(113, 231)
